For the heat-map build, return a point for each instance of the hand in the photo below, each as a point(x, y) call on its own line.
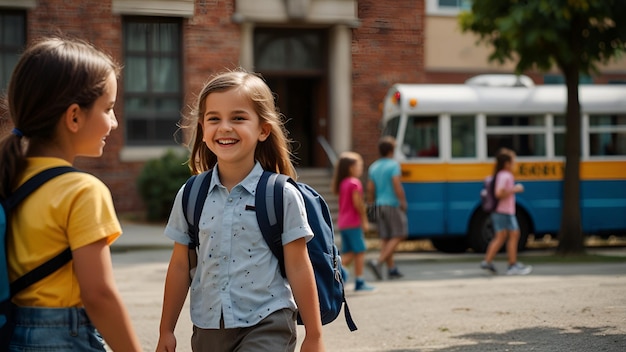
point(167, 343)
point(518, 188)
point(312, 345)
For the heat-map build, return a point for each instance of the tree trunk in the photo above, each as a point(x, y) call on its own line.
point(571, 239)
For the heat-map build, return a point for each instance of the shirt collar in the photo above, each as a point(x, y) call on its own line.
point(249, 183)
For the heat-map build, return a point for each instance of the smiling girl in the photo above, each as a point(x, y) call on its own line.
point(239, 299)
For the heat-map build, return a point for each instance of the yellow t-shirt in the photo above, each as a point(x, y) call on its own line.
point(74, 209)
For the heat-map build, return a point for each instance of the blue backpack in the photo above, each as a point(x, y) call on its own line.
point(9, 289)
point(269, 212)
point(488, 199)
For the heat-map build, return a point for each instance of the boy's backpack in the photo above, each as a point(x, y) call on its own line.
point(9, 289)
point(488, 199)
point(269, 212)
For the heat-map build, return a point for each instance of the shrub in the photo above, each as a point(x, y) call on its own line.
point(159, 181)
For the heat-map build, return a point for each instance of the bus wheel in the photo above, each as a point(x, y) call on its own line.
point(481, 232)
point(450, 245)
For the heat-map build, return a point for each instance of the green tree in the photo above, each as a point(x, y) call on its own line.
point(573, 35)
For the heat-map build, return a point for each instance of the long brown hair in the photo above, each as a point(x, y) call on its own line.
point(342, 169)
point(274, 153)
point(52, 74)
point(503, 156)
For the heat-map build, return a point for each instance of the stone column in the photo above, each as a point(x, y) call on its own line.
point(246, 55)
point(340, 88)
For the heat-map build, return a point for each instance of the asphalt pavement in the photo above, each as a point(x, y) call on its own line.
point(443, 303)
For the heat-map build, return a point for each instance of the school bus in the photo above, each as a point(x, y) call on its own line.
point(447, 136)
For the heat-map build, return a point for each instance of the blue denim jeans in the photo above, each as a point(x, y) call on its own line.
point(504, 222)
point(54, 329)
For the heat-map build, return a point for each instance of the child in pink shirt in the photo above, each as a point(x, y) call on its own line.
point(505, 226)
point(352, 220)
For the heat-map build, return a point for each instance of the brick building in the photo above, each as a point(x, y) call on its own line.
point(329, 61)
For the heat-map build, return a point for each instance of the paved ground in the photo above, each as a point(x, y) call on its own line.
point(444, 303)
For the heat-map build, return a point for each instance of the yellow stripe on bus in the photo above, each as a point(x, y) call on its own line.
point(540, 171)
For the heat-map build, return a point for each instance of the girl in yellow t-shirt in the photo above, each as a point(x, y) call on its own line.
point(60, 100)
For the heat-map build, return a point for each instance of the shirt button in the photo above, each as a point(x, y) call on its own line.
point(225, 257)
point(230, 200)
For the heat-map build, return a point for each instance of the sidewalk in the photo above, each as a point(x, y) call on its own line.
point(439, 305)
point(137, 235)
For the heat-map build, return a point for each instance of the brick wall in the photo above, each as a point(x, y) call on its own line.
point(387, 48)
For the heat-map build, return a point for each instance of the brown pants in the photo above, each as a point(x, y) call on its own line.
point(276, 333)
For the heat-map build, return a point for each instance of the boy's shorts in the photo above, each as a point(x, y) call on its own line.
point(504, 222)
point(277, 332)
point(392, 223)
point(352, 241)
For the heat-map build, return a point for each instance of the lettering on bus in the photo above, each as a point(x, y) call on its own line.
point(541, 170)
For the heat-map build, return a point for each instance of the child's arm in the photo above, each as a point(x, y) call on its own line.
point(176, 288)
point(302, 281)
point(399, 190)
point(94, 272)
point(359, 204)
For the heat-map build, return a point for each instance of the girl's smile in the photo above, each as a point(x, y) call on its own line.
point(232, 128)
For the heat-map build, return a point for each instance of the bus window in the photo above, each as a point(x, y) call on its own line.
point(391, 129)
point(463, 136)
point(515, 121)
point(523, 144)
point(607, 135)
point(524, 134)
point(422, 137)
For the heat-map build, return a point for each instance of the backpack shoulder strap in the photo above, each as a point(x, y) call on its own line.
point(51, 265)
point(55, 262)
point(269, 212)
point(32, 184)
point(194, 196)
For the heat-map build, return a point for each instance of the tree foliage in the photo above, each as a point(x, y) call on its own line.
point(573, 35)
point(539, 34)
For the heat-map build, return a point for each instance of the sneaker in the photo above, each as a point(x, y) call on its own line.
point(376, 269)
point(394, 274)
point(519, 269)
point(488, 266)
point(361, 285)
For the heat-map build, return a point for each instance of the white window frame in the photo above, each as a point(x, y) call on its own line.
point(433, 8)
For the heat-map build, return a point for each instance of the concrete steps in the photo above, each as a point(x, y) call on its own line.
point(320, 179)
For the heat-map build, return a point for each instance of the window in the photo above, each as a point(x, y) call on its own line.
point(279, 50)
point(559, 79)
point(12, 42)
point(391, 129)
point(422, 137)
point(607, 135)
point(152, 80)
point(526, 135)
point(447, 7)
point(463, 136)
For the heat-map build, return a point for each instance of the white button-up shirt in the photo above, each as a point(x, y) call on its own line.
point(237, 274)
